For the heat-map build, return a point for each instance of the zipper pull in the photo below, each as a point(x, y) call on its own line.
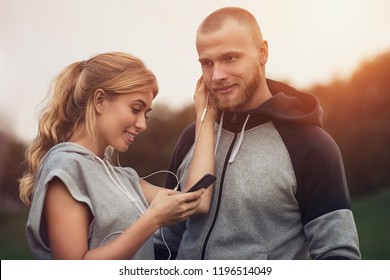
point(234, 118)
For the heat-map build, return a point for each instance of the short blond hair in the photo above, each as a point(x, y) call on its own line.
point(216, 20)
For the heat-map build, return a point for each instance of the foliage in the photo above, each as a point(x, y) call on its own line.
point(12, 158)
point(13, 243)
point(373, 224)
point(357, 116)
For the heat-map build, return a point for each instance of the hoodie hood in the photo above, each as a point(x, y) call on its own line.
point(287, 104)
point(68, 147)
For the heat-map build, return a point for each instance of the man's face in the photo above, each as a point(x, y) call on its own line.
point(231, 66)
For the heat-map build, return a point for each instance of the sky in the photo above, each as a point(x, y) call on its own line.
point(310, 42)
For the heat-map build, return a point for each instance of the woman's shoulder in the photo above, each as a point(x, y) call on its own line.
point(61, 160)
point(74, 170)
point(66, 155)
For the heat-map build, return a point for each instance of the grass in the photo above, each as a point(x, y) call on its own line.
point(371, 216)
point(373, 224)
point(13, 243)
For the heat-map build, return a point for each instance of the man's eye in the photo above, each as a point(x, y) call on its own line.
point(230, 59)
point(206, 63)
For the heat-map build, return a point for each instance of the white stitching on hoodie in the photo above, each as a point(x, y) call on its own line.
point(239, 142)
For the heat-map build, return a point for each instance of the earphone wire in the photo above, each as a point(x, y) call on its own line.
point(196, 139)
point(176, 187)
point(154, 173)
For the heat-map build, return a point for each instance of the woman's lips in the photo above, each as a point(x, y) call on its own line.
point(130, 137)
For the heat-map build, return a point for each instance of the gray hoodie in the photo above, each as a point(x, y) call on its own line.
point(281, 191)
point(113, 194)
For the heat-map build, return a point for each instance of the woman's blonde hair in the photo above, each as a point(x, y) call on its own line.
point(71, 103)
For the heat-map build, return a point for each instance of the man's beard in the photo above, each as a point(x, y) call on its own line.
point(227, 103)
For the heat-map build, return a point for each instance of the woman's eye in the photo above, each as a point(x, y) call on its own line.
point(135, 110)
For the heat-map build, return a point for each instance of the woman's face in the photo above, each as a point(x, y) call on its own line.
point(120, 119)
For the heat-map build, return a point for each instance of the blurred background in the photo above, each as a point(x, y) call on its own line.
point(339, 50)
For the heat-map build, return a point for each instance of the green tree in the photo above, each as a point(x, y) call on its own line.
point(357, 116)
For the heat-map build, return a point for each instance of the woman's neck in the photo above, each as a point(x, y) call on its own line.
point(88, 141)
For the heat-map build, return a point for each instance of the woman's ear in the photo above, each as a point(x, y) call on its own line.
point(99, 98)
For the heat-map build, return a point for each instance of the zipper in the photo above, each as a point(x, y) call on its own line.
point(234, 118)
point(219, 194)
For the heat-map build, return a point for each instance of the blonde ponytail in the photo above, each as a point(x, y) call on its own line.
point(52, 127)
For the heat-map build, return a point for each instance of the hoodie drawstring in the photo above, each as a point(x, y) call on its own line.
point(239, 142)
point(117, 182)
point(218, 133)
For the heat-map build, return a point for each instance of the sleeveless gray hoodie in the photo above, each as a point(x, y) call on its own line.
point(113, 194)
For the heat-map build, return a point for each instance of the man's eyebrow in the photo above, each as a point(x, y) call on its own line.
point(202, 59)
point(225, 54)
point(231, 52)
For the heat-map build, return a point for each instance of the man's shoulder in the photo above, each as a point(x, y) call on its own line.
point(188, 135)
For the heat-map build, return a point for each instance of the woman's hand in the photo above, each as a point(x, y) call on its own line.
point(171, 207)
point(203, 99)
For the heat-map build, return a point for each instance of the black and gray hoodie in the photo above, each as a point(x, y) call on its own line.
point(281, 191)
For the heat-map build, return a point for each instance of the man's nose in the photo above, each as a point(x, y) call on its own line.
point(218, 74)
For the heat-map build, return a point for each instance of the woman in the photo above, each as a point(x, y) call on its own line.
point(81, 206)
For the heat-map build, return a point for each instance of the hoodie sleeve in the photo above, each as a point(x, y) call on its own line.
point(182, 147)
point(66, 169)
point(322, 193)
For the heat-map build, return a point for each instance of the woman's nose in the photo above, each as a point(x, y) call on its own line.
point(141, 123)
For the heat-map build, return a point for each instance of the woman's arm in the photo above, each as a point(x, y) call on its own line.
point(68, 220)
point(203, 158)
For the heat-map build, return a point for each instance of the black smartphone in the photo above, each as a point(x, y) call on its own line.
point(204, 182)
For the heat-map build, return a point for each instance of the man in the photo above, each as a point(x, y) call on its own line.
point(281, 191)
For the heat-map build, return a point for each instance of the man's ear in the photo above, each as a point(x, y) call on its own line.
point(99, 98)
point(263, 52)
